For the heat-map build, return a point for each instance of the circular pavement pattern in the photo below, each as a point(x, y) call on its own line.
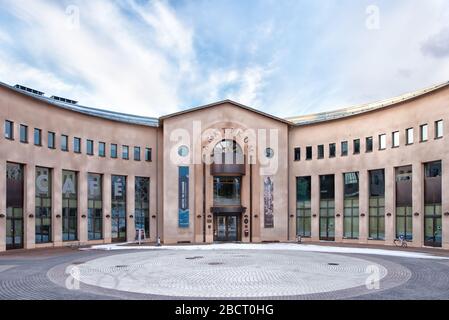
point(223, 274)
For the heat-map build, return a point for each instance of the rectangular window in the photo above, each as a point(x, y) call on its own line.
point(382, 141)
point(77, 145)
point(125, 152)
point(118, 208)
point(64, 143)
point(377, 204)
point(297, 154)
point(395, 138)
point(95, 206)
point(344, 148)
point(369, 144)
point(69, 206)
point(351, 205)
point(303, 206)
point(423, 132)
point(101, 149)
point(404, 216)
point(37, 137)
point(14, 183)
point(113, 150)
point(43, 191)
point(327, 207)
point(23, 133)
point(137, 153)
point(90, 147)
point(432, 204)
point(332, 150)
point(409, 134)
point(308, 153)
point(148, 154)
point(438, 129)
point(9, 129)
point(227, 191)
point(356, 146)
point(142, 205)
point(51, 140)
point(321, 151)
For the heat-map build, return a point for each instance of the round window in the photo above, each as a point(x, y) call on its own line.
point(183, 151)
point(269, 153)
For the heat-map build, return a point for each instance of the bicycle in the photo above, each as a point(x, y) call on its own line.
point(400, 242)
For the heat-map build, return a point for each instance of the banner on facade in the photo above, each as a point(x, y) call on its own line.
point(268, 203)
point(183, 196)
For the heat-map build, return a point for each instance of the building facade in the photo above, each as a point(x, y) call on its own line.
point(73, 175)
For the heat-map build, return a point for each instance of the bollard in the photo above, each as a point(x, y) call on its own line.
point(158, 243)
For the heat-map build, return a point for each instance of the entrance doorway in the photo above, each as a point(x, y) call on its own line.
point(227, 227)
point(14, 206)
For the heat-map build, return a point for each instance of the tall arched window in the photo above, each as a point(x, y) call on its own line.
point(228, 152)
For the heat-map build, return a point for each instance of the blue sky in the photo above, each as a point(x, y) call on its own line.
point(286, 57)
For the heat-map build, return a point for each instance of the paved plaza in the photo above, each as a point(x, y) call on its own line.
point(228, 271)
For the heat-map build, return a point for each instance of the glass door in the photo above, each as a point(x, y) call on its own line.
point(226, 228)
point(14, 206)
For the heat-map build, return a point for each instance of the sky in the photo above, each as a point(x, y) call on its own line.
point(284, 57)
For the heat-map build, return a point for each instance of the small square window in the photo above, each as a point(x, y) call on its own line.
point(297, 154)
point(356, 146)
point(395, 138)
point(137, 153)
point(9, 130)
point(423, 132)
point(37, 137)
point(382, 141)
point(101, 149)
point(23, 133)
point(409, 134)
point(125, 152)
point(90, 147)
point(148, 154)
point(344, 148)
point(320, 151)
point(308, 153)
point(438, 129)
point(77, 145)
point(64, 143)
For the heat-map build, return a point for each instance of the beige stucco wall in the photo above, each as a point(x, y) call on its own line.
point(36, 114)
point(426, 109)
point(224, 116)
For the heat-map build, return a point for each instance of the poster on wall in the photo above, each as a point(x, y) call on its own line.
point(183, 196)
point(268, 203)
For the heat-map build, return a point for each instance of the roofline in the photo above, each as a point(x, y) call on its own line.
point(363, 108)
point(101, 113)
point(222, 102)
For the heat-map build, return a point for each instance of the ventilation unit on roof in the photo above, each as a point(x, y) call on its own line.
point(61, 99)
point(23, 88)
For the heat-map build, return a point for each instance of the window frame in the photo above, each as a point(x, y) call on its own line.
point(114, 147)
point(39, 131)
point(10, 130)
point(407, 141)
point(320, 151)
point(77, 150)
point(309, 149)
point(297, 154)
point(53, 136)
point(334, 153)
point(421, 132)
point(90, 142)
point(125, 147)
point(344, 153)
point(136, 148)
point(356, 150)
point(380, 141)
point(393, 140)
point(26, 133)
point(437, 136)
point(369, 144)
point(148, 151)
point(66, 137)
point(101, 154)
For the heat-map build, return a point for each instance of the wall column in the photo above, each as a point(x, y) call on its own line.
point(418, 203)
point(106, 188)
point(130, 209)
point(390, 206)
point(363, 206)
point(445, 204)
point(57, 206)
point(315, 179)
point(339, 206)
point(29, 207)
point(82, 207)
point(3, 205)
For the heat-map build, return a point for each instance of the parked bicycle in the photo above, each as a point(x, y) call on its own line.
point(400, 242)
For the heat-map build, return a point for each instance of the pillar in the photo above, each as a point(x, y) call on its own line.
point(106, 191)
point(418, 203)
point(315, 205)
point(82, 207)
point(57, 206)
point(363, 206)
point(445, 204)
point(29, 207)
point(339, 206)
point(130, 209)
point(2, 206)
point(390, 205)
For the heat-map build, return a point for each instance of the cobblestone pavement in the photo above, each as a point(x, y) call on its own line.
point(242, 274)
